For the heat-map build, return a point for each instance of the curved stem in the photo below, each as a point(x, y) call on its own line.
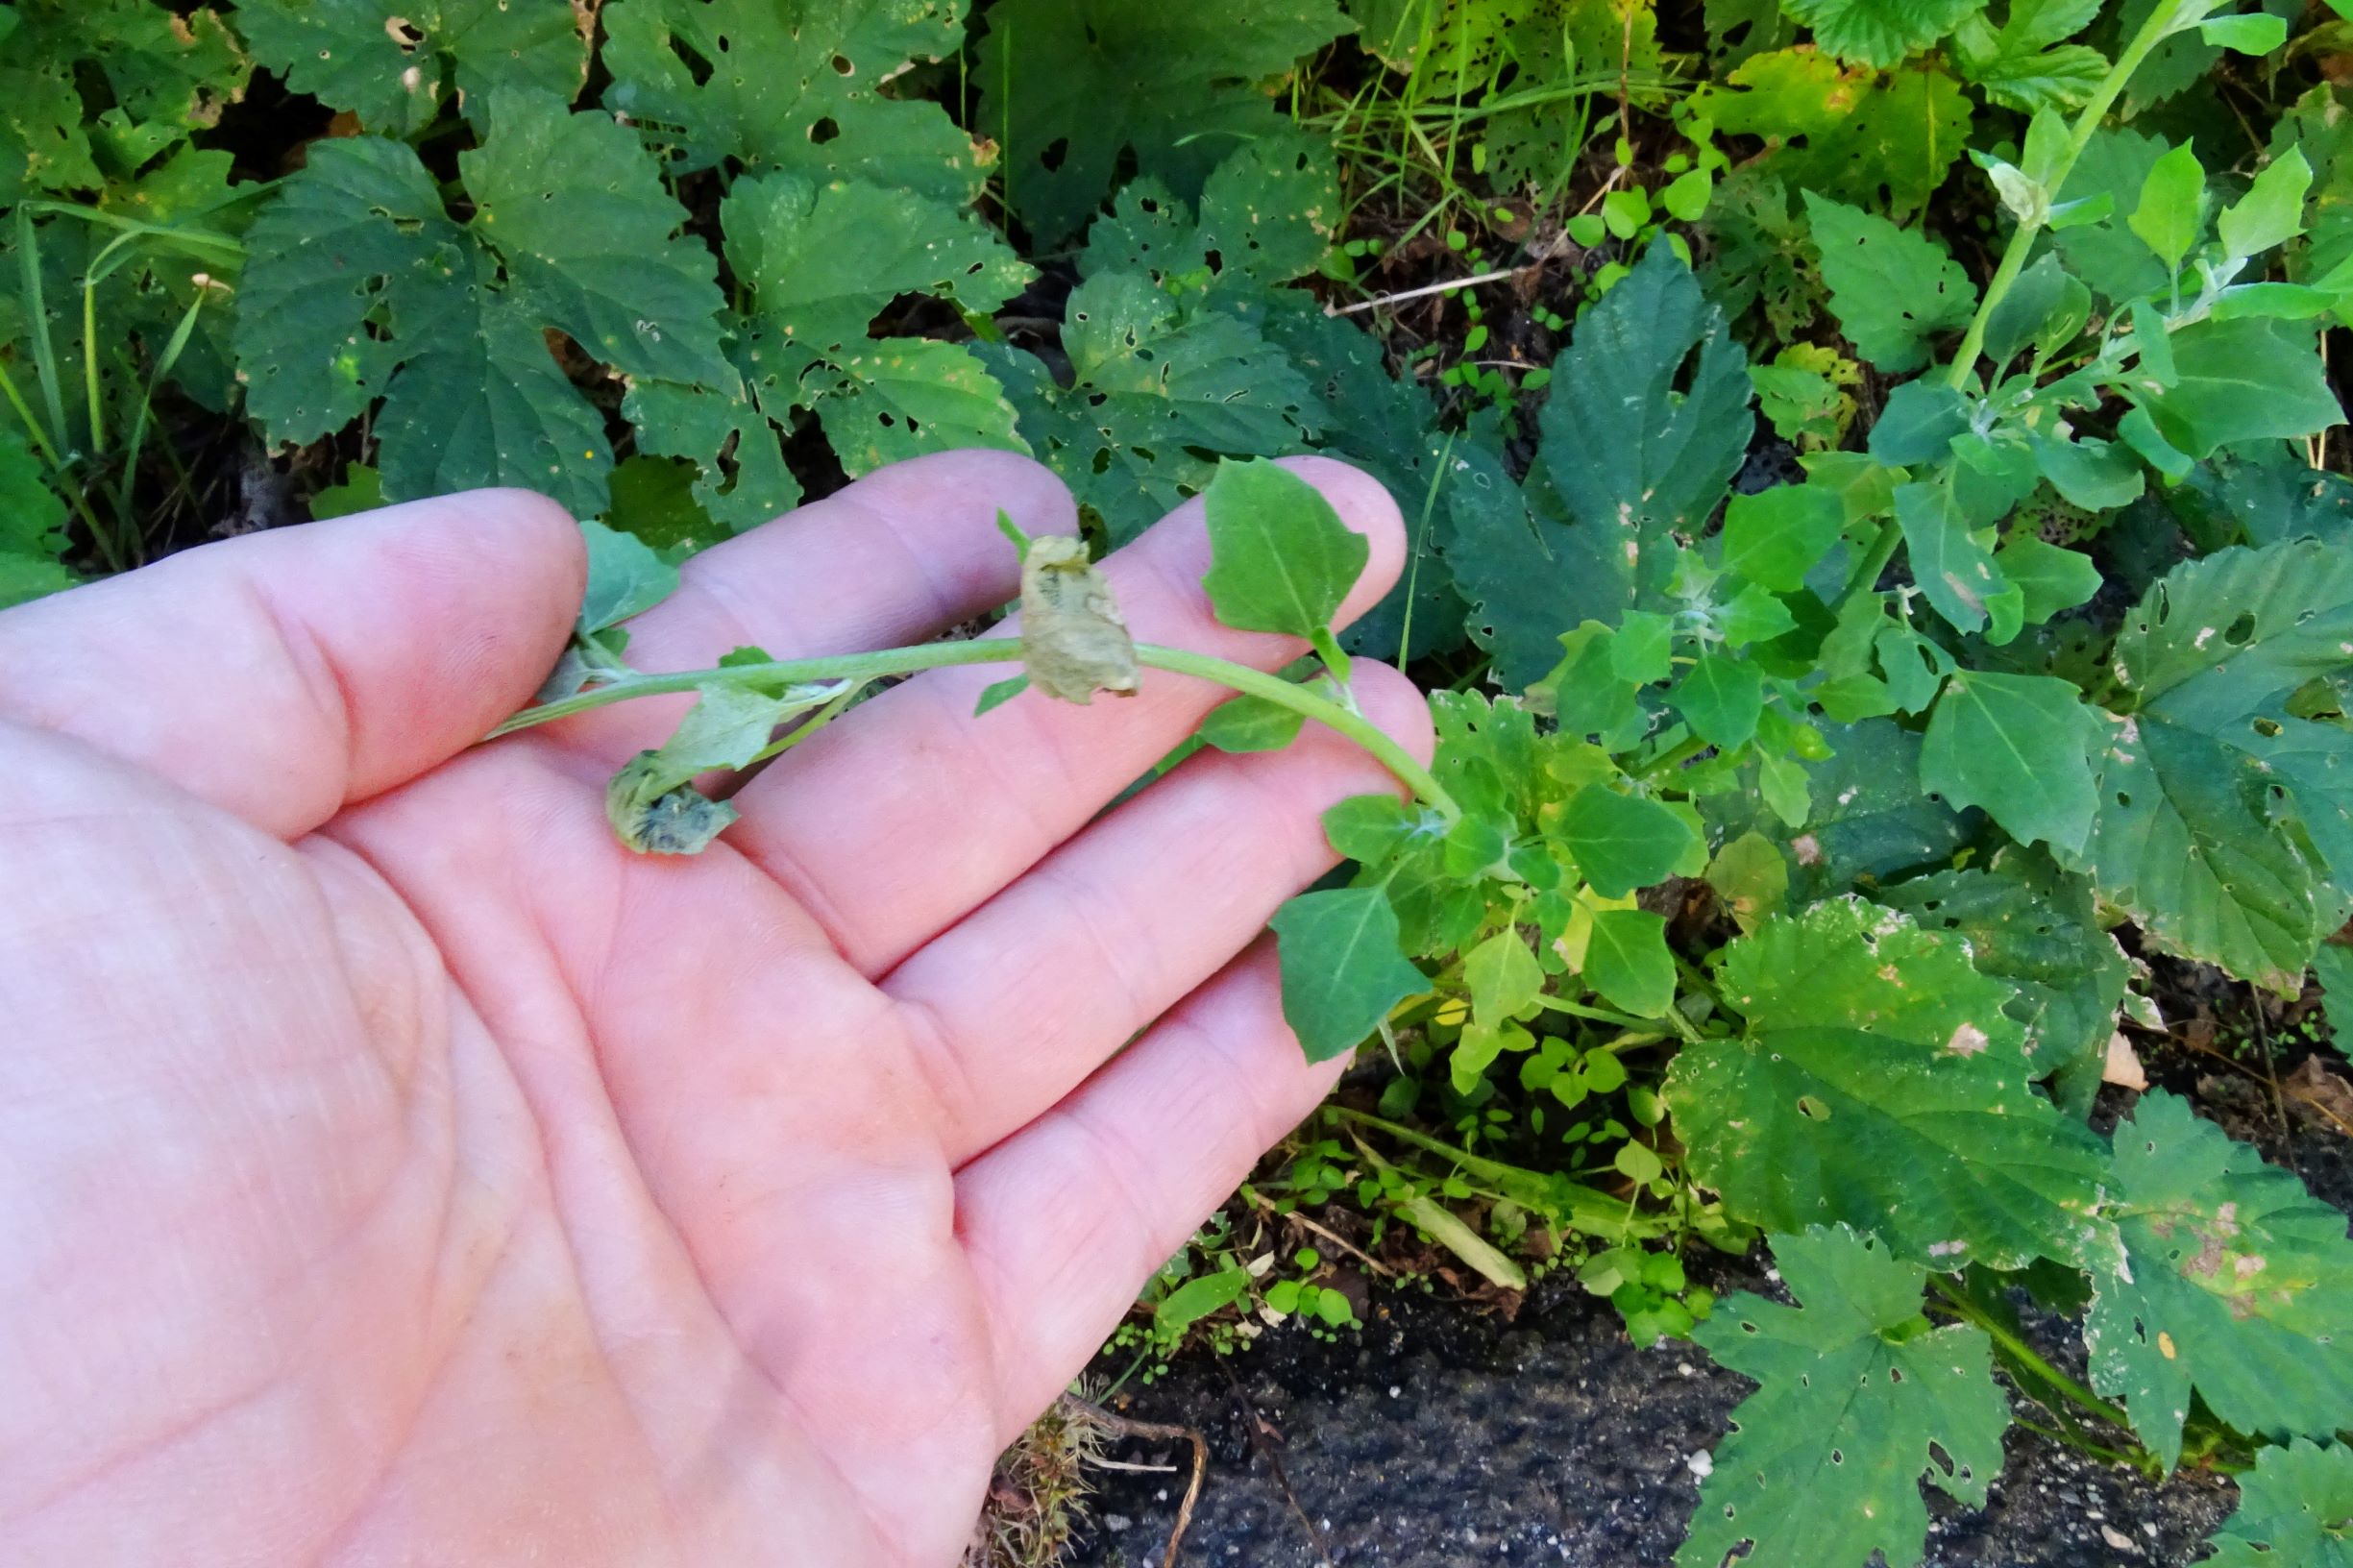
point(1302, 700)
point(2152, 32)
point(1960, 1306)
point(862, 668)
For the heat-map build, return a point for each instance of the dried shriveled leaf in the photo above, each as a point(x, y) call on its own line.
point(1074, 641)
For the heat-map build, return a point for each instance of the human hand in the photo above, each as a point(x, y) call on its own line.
point(397, 1171)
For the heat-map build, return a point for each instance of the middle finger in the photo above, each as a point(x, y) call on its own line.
point(894, 823)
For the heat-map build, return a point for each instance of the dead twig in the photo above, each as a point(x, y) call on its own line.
point(1127, 1427)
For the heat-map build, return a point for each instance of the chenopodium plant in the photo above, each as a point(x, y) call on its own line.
point(1281, 561)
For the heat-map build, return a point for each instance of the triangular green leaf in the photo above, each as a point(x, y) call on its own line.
point(1342, 966)
point(2019, 746)
point(1280, 557)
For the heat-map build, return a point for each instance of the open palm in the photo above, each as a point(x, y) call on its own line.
point(393, 1170)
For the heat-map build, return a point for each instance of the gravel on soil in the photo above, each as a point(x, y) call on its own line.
point(1441, 1437)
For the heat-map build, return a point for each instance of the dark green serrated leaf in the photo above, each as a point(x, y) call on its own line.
point(2236, 1283)
point(358, 285)
point(1628, 461)
point(2294, 1506)
point(1883, 1084)
point(1859, 1400)
point(1342, 966)
point(794, 88)
point(2223, 816)
point(393, 63)
point(2036, 929)
point(1891, 289)
point(1152, 388)
point(1880, 33)
point(1068, 87)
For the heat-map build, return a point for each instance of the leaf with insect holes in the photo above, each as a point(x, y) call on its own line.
point(2036, 929)
point(1891, 289)
point(2236, 1283)
point(1267, 214)
point(358, 285)
point(1880, 33)
point(797, 88)
point(1343, 967)
point(394, 62)
point(1882, 1083)
point(2225, 824)
point(151, 76)
point(1859, 1399)
point(2019, 746)
point(1280, 557)
point(1621, 842)
point(2292, 1507)
point(1153, 388)
point(32, 526)
point(1074, 641)
point(1068, 87)
point(2024, 65)
point(1647, 421)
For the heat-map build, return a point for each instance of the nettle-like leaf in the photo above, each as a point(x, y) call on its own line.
point(1647, 420)
point(2225, 824)
point(393, 63)
point(359, 285)
point(1444, 483)
point(169, 74)
point(2295, 1505)
point(1153, 386)
point(1880, 33)
point(2024, 64)
point(1851, 132)
point(1882, 1083)
point(1266, 215)
point(1859, 1400)
point(32, 526)
point(1069, 85)
point(1891, 289)
point(2235, 1282)
point(815, 264)
point(792, 87)
point(2036, 929)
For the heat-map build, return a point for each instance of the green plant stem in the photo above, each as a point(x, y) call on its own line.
point(1599, 1015)
point(1960, 1306)
point(2152, 32)
point(863, 668)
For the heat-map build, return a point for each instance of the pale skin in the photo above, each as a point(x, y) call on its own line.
point(395, 1170)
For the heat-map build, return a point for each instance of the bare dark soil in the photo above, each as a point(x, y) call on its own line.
point(1443, 1436)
